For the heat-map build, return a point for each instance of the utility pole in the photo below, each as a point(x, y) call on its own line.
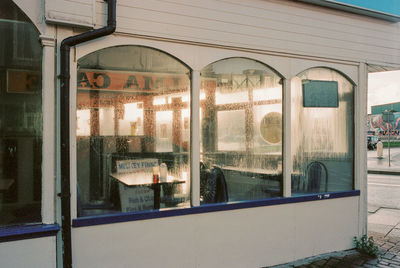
point(389, 142)
point(388, 117)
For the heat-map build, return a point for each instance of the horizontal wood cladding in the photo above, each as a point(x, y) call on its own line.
point(272, 25)
point(71, 12)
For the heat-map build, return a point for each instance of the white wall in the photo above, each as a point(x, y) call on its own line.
point(272, 25)
point(73, 12)
point(33, 9)
point(198, 57)
point(32, 253)
point(254, 237)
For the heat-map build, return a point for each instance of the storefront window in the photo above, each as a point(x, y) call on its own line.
point(20, 118)
point(133, 107)
point(241, 131)
point(322, 132)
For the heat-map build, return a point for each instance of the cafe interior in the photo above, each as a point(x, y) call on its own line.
point(134, 109)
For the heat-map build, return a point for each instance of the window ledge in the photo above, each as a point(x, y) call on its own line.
point(21, 232)
point(154, 214)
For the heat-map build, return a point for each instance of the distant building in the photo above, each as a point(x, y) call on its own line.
point(375, 120)
point(375, 123)
point(379, 109)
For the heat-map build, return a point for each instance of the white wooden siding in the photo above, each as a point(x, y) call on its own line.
point(33, 9)
point(256, 237)
point(71, 12)
point(272, 25)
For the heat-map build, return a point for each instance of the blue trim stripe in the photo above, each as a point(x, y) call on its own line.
point(14, 233)
point(381, 9)
point(391, 7)
point(154, 214)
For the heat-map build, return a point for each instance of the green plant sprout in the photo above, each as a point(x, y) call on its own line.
point(366, 246)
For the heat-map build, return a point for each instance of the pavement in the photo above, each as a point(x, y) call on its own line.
point(383, 226)
point(380, 165)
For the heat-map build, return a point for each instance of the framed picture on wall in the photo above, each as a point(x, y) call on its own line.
point(23, 81)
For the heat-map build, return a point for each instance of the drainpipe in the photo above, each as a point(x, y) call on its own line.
point(65, 194)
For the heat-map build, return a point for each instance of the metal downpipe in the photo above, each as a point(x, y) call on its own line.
point(65, 194)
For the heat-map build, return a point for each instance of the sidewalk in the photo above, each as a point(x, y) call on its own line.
point(381, 165)
point(383, 226)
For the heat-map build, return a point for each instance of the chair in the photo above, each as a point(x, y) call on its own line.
point(316, 173)
point(213, 187)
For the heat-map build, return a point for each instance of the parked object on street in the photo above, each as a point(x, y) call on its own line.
point(371, 142)
point(379, 149)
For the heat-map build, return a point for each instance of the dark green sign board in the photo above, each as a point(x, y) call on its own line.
point(318, 93)
point(387, 117)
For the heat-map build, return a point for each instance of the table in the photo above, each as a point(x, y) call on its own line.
point(137, 179)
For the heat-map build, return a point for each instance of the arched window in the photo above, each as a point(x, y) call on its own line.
point(322, 132)
point(241, 130)
point(133, 126)
point(20, 117)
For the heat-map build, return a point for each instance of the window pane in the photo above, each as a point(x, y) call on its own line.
point(20, 118)
point(322, 149)
point(241, 132)
point(133, 123)
point(231, 137)
point(164, 131)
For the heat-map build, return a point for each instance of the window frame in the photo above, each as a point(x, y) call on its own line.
point(73, 121)
point(354, 110)
point(40, 174)
point(195, 123)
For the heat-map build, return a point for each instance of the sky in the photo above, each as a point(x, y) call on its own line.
point(383, 87)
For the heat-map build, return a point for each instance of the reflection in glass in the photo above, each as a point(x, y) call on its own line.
point(132, 121)
point(231, 137)
point(83, 122)
point(133, 128)
point(238, 163)
point(20, 118)
point(322, 149)
point(164, 131)
point(106, 116)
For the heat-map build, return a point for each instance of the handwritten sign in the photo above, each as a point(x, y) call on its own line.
point(136, 165)
point(136, 198)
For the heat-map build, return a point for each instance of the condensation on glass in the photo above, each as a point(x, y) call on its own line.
point(241, 131)
point(322, 137)
point(133, 129)
point(20, 118)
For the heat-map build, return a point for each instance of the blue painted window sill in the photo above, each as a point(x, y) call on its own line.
point(21, 232)
point(154, 214)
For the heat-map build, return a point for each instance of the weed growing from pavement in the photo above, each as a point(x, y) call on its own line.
point(366, 246)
